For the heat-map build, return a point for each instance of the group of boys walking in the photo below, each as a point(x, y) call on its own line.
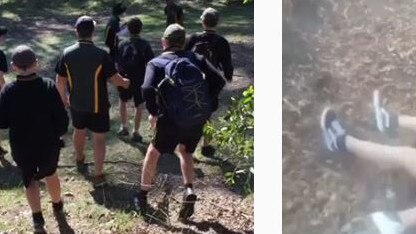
point(179, 88)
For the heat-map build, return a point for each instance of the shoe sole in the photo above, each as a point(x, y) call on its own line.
point(187, 209)
point(377, 110)
point(324, 128)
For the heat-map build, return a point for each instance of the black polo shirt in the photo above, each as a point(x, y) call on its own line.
point(3, 62)
point(222, 50)
point(136, 75)
point(87, 68)
point(111, 29)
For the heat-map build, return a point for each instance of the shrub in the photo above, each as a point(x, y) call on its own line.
point(235, 136)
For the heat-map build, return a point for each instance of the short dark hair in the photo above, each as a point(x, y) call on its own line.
point(85, 31)
point(210, 22)
point(135, 25)
point(175, 35)
point(210, 17)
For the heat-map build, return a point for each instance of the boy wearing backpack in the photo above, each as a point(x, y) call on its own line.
point(216, 49)
point(179, 99)
point(133, 55)
point(32, 110)
point(112, 28)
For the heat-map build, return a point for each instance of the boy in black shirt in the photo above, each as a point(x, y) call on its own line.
point(173, 12)
point(216, 49)
point(132, 57)
point(3, 70)
point(32, 110)
point(112, 28)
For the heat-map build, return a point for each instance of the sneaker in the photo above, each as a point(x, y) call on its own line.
point(99, 181)
point(386, 122)
point(376, 223)
point(332, 131)
point(2, 151)
point(208, 150)
point(136, 137)
point(140, 204)
point(123, 131)
point(38, 223)
point(82, 167)
point(188, 204)
point(38, 228)
point(61, 143)
point(58, 208)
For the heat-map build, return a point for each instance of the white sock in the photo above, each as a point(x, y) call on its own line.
point(386, 225)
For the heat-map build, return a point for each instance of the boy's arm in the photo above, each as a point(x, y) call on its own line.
point(4, 110)
point(226, 61)
point(119, 81)
point(60, 117)
point(149, 91)
point(2, 80)
point(215, 80)
point(61, 85)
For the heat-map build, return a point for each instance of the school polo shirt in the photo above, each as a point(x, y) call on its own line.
point(87, 69)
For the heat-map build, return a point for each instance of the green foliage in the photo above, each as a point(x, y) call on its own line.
point(244, 2)
point(236, 137)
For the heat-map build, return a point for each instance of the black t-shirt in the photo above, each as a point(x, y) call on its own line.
point(155, 72)
point(222, 50)
point(87, 68)
point(3, 62)
point(174, 14)
point(135, 75)
point(32, 109)
point(111, 29)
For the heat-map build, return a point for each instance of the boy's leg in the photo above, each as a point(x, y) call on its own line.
point(54, 188)
point(123, 118)
point(79, 144)
point(148, 172)
point(187, 164)
point(407, 122)
point(137, 119)
point(33, 196)
point(388, 157)
point(99, 154)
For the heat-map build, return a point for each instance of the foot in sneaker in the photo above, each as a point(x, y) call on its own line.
point(99, 181)
point(136, 137)
point(140, 204)
point(386, 122)
point(123, 131)
point(332, 131)
point(387, 223)
point(81, 166)
point(188, 204)
point(208, 150)
point(2, 151)
point(38, 223)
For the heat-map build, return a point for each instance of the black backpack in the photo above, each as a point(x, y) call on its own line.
point(184, 93)
point(205, 46)
point(130, 58)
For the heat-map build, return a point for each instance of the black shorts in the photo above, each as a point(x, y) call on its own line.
point(167, 136)
point(37, 164)
point(126, 94)
point(98, 123)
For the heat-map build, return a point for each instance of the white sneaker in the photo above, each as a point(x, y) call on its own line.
point(332, 130)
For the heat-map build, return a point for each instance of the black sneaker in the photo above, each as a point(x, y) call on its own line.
point(38, 223)
point(61, 143)
point(2, 151)
point(123, 131)
point(81, 166)
point(208, 150)
point(188, 204)
point(58, 208)
point(140, 204)
point(136, 137)
point(332, 131)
